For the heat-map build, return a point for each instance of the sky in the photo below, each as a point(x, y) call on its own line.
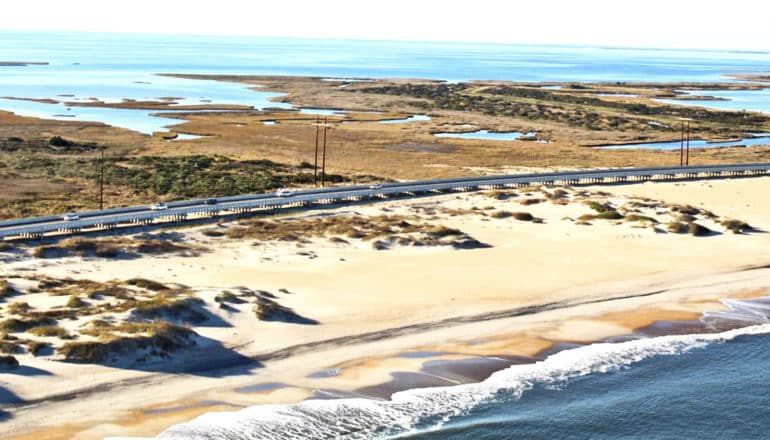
point(705, 24)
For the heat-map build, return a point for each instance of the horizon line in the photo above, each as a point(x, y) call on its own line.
point(387, 40)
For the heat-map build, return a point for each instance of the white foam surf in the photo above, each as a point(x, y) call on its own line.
point(407, 410)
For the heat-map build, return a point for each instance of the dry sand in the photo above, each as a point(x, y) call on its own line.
point(582, 283)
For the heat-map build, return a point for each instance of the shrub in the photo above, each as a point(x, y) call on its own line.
point(268, 310)
point(162, 337)
point(8, 347)
point(50, 331)
point(497, 195)
point(527, 202)
point(443, 231)
point(35, 347)
point(228, 297)
point(559, 193)
point(182, 309)
point(13, 325)
point(5, 289)
point(500, 214)
point(639, 218)
point(677, 227)
point(144, 283)
point(18, 308)
point(698, 230)
point(600, 207)
point(58, 141)
point(213, 233)
point(737, 226)
point(8, 362)
point(523, 216)
point(74, 302)
point(684, 209)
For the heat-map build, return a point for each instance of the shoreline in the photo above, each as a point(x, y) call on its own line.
point(447, 305)
point(408, 370)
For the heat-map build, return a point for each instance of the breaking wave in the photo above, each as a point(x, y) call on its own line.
point(426, 408)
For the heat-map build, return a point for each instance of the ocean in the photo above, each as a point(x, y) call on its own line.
point(705, 386)
point(113, 66)
point(708, 385)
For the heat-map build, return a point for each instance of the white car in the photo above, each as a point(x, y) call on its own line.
point(70, 216)
point(284, 193)
point(158, 206)
point(375, 186)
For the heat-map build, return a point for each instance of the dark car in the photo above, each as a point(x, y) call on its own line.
point(210, 201)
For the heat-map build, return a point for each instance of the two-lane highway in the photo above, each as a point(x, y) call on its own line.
point(189, 209)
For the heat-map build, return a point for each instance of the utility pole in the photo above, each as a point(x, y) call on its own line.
point(101, 182)
point(323, 161)
point(681, 147)
point(315, 163)
point(687, 158)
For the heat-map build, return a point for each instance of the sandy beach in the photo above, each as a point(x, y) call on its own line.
point(366, 321)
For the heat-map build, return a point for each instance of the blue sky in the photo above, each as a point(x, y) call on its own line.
point(734, 24)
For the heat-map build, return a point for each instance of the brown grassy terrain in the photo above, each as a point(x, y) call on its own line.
point(570, 119)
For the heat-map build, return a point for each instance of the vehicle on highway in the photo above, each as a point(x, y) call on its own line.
point(158, 206)
point(70, 216)
point(375, 186)
point(210, 201)
point(284, 192)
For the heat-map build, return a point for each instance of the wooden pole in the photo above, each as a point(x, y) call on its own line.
point(101, 182)
point(323, 161)
point(687, 159)
point(681, 147)
point(315, 163)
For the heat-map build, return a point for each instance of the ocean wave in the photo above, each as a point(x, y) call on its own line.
point(432, 407)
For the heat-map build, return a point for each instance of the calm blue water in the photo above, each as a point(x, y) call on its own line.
point(694, 143)
point(738, 100)
point(486, 135)
point(113, 67)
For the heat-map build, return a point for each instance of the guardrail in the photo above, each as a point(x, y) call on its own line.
point(181, 210)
